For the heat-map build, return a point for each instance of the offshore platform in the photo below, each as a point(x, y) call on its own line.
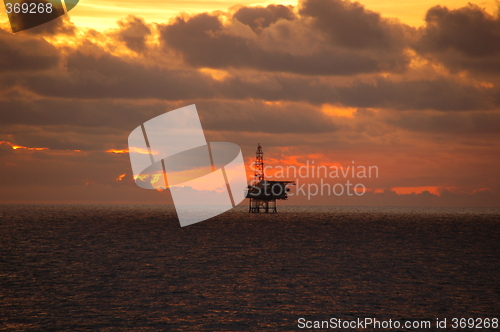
point(263, 193)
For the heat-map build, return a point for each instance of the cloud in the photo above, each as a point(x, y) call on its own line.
point(467, 38)
point(273, 39)
point(108, 76)
point(458, 123)
point(258, 18)
point(93, 71)
point(351, 25)
point(134, 32)
point(64, 124)
point(26, 53)
point(444, 94)
point(261, 117)
point(256, 74)
point(6, 150)
point(104, 113)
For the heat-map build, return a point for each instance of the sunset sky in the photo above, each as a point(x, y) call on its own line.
point(412, 88)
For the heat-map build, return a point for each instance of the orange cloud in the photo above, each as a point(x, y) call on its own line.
point(417, 190)
point(117, 151)
point(133, 149)
point(337, 110)
point(15, 147)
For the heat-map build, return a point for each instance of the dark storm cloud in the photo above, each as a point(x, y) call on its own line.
point(203, 43)
point(65, 137)
point(104, 113)
point(465, 38)
point(105, 124)
point(460, 123)
point(5, 150)
point(77, 177)
point(258, 116)
point(26, 53)
point(99, 74)
point(351, 25)
point(108, 76)
point(440, 94)
point(373, 46)
point(262, 17)
point(134, 31)
point(52, 170)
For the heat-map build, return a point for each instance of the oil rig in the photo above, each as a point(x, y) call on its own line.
point(263, 193)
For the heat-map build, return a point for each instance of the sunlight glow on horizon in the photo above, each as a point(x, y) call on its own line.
point(15, 147)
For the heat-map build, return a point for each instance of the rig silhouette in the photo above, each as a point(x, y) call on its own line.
point(263, 193)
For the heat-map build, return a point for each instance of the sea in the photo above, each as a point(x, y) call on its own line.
point(133, 268)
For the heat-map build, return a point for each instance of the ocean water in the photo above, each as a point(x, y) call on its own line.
point(133, 268)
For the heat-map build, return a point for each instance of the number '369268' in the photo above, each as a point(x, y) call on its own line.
point(29, 8)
